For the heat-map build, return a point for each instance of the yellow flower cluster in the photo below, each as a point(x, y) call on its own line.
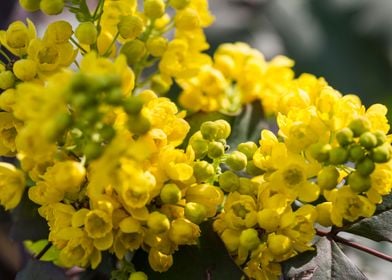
point(107, 159)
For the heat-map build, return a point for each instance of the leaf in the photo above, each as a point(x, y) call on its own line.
point(36, 247)
point(377, 227)
point(27, 223)
point(209, 260)
point(386, 204)
point(327, 262)
point(38, 270)
point(248, 124)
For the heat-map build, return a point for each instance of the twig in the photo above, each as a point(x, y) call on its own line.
point(333, 236)
point(43, 251)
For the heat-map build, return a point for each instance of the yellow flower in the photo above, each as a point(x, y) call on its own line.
point(12, 185)
point(207, 195)
point(183, 232)
point(18, 36)
point(8, 132)
point(159, 261)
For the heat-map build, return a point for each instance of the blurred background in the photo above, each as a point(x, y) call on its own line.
point(348, 42)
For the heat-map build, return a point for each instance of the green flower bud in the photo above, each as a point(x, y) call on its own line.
point(249, 239)
point(158, 222)
point(195, 212)
point(345, 136)
point(381, 137)
point(130, 27)
point(224, 129)
point(92, 150)
point(161, 84)
point(365, 167)
point(179, 4)
point(170, 194)
point(133, 105)
point(138, 275)
point(202, 170)
point(359, 183)
point(368, 140)
point(154, 8)
point(200, 147)
point(247, 186)
point(107, 132)
point(338, 155)
point(356, 153)
point(138, 124)
point(61, 123)
point(114, 96)
point(381, 154)
point(359, 126)
point(236, 161)
point(52, 7)
point(86, 33)
point(229, 181)
point(215, 149)
point(328, 177)
point(252, 169)
point(58, 32)
point(320, 152)
point(30, 5)
point(134, 51)
point(247, 148)
point(7, 79)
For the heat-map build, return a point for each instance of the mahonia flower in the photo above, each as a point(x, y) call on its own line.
point(12, 185)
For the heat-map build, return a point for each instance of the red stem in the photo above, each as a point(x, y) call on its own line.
point(355, 245)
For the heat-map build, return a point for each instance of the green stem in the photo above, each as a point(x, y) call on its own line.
point(107, 52)
point(5, 55)
point(363, 248)
point(78, 45)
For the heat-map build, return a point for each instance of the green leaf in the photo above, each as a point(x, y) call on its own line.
point(377, 227)
point(36, 247)
point(248, 124)
point(327, 262)
point(38, 270)
point(209, 260)
point(27, 223)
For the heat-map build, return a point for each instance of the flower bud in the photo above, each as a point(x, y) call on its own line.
point(156, 46)
point(224, 129)
point(134, 51)
point(195, 212)
point(58, 32)
point(345, 136)
point(252, 169)
point(30, 5)
point(86, 33)
point(170, 194)
point(215, 149)
point(216, 130)
point(359, 126)
point(138, 124)
point(187, 19)
point(338, 155)
point(365, 167)
point(25, 69)
point(324, 214)
point(133, 105)
point(229, 181)
point(247, 148)
point(52, 7)
point(158, 222)
point(328, 177)
point(359, 183)
point(130, 26)
point(92, 150)
point(368, 140)
point(320, 152)
point(249, 239)
point(7, 79)
point(356, 153)
point(179, 4)
point(161, 83)
point(138, 275)
point(382, 153)
point(247, 186)
point(154, 8)
point(231, 239)
point(381, 137)
point(159, 261)
point(202, 170)
point(236, 161)
point(183, 232)
point(279, 244)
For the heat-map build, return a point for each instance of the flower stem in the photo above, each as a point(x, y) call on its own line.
point(355, 245)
